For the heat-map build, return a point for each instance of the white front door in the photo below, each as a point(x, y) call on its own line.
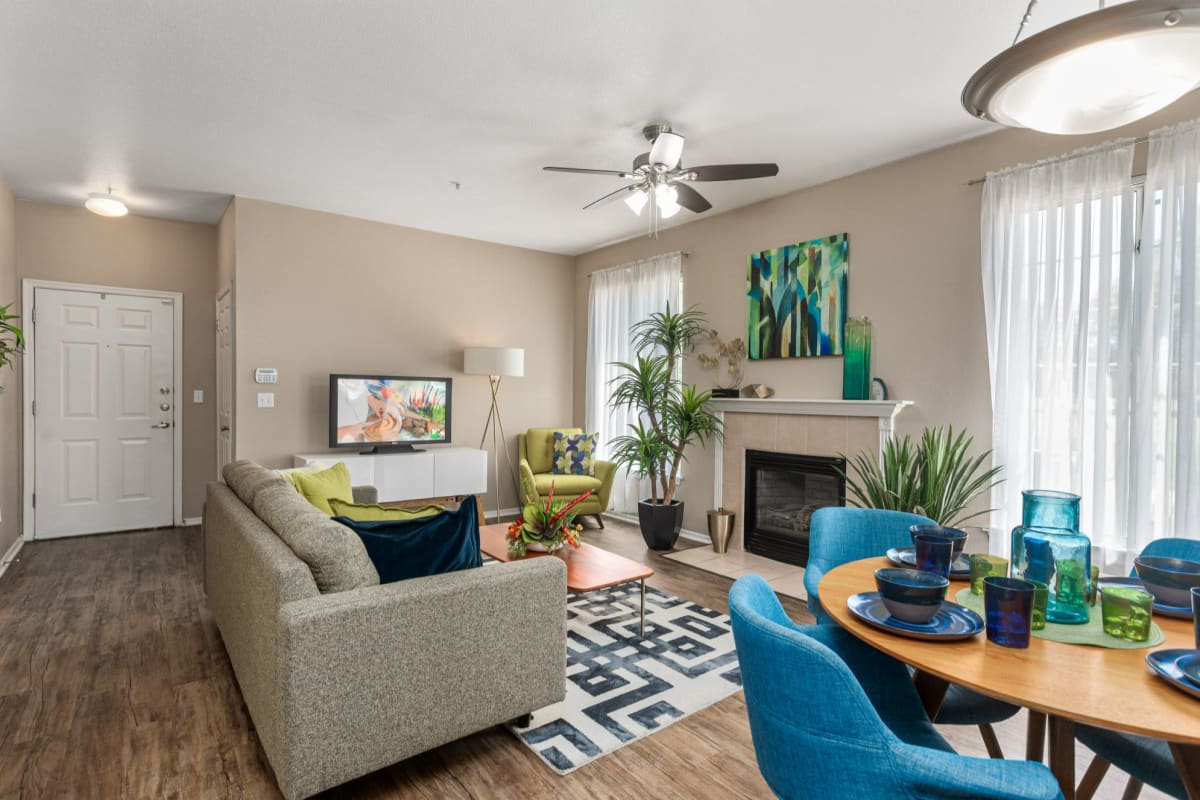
point(224, 380)
point(103, 412)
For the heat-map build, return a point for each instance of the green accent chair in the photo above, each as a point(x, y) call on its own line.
point(536, 450)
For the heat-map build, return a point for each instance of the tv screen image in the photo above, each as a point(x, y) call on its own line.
point(381, 410)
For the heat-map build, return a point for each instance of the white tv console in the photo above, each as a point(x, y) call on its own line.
point(432, 474)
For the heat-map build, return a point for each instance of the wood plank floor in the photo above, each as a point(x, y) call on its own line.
point(114, 683)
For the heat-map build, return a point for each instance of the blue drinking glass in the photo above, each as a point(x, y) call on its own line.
point(1009, 606)
point(1196, 612)
point(934, 553)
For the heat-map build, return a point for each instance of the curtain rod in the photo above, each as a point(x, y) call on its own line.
point(684, 253)
point(1136, 142)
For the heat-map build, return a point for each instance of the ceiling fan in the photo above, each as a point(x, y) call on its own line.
point(661, 181)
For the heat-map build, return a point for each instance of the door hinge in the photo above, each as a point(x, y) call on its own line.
point(34, 500)
point(33, 408)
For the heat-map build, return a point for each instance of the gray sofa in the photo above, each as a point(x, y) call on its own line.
point(340, 683)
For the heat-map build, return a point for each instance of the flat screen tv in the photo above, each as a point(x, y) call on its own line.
point(388, 412)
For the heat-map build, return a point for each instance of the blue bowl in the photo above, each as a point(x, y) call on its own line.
point(1170, 580)
point(911, 595)
point(953, 534)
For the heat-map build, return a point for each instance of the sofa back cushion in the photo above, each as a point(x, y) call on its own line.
point(416, 548)
point(246, 478)
point(333, 552)
point(539, 447)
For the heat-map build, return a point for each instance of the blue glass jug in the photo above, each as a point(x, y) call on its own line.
point(1047, 547)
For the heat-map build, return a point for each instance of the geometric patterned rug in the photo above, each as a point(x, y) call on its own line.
point(621, 686)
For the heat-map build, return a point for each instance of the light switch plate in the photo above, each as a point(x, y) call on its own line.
point(266, 399)
point(197, 395)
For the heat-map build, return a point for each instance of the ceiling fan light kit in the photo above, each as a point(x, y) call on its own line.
point(661, 183)
point(1093, 73)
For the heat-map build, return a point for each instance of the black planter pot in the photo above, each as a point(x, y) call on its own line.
point(660, 524)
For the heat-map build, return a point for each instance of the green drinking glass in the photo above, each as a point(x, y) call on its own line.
point(1041, 596)
point(1126, 612)
point(983, 566)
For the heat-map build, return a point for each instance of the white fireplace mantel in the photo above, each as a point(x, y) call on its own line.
point(882, 409)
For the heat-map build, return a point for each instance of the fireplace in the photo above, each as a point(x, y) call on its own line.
point(782, 491)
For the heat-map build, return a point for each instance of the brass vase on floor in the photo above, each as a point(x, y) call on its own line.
point(720, 528)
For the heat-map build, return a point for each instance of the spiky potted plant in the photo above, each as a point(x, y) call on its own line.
point(671, 417)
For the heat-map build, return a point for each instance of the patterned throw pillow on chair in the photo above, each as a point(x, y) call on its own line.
point(574, 453)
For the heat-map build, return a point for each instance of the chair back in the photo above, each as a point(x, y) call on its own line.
point(815, 732)
point(838, 535)
point(1171, 547)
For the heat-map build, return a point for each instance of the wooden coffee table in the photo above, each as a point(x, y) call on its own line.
point(588, 568)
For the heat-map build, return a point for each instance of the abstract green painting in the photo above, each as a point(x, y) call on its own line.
point(796, 299)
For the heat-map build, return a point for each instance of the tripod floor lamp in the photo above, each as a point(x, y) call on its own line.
point(496, 363)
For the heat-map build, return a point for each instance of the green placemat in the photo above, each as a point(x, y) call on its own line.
point(1092, 633)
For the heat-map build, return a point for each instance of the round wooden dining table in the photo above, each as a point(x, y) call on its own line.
point(1067, 683)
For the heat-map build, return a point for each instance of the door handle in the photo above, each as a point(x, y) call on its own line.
point(161, 425)
point(224, 429)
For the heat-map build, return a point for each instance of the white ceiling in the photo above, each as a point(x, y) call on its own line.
point(372, 108)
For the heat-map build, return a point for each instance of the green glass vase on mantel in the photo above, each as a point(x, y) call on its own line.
point(856, 368)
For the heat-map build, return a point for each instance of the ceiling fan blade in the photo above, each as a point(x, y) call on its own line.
point(690, 199)
point(608, 198)
point(580, 170)
point(666, 150)
point(733, 172)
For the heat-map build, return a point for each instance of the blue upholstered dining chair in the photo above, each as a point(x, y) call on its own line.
point(832, 717)
point(838, 535)
point(1146, 760)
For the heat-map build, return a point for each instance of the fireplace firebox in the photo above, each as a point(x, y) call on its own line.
point(782, 492)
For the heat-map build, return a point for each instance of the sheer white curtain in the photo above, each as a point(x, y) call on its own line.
point(1058, 276)
point(1163, 467)
point(619, 298)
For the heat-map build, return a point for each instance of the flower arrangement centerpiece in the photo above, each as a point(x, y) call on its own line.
point(546, 527)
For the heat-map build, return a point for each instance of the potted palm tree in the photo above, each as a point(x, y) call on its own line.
point(672, 416)
point(12, 340)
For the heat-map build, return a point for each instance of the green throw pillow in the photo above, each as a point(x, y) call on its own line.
point(319, 488)
point(574, 453)
point(289, 475)
point(373, 513)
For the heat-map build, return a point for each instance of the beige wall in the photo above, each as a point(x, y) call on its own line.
point(10, 400)
point(914, 270)
point(320, 293)
point(68, 243)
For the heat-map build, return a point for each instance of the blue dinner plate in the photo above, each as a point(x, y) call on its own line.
point(1168, 665)
point(1191, 666)
point(960, 570)
point(951, 621)
point(1182, 612)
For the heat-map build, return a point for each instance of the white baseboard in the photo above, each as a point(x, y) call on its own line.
point(190, 521)
point(684, 533)
point(11, 555)
point(504, 512)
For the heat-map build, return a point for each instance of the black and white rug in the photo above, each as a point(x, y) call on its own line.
point(622, 686)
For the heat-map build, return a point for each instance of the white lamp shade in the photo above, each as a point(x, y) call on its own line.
point(106, 205)
point(502, 361)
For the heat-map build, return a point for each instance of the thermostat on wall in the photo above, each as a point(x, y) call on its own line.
point(266, 375)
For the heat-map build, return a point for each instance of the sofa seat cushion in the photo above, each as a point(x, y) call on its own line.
point(416, 548)
point(565, 485)
point(246, 478)
point(372, 512)
point(539, 447)
point(333, 552)
point(319, 488)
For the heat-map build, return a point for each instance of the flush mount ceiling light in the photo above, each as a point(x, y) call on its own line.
point(106, 205)
point(1092, 73)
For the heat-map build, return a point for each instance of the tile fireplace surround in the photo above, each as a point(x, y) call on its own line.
point(806, 427)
